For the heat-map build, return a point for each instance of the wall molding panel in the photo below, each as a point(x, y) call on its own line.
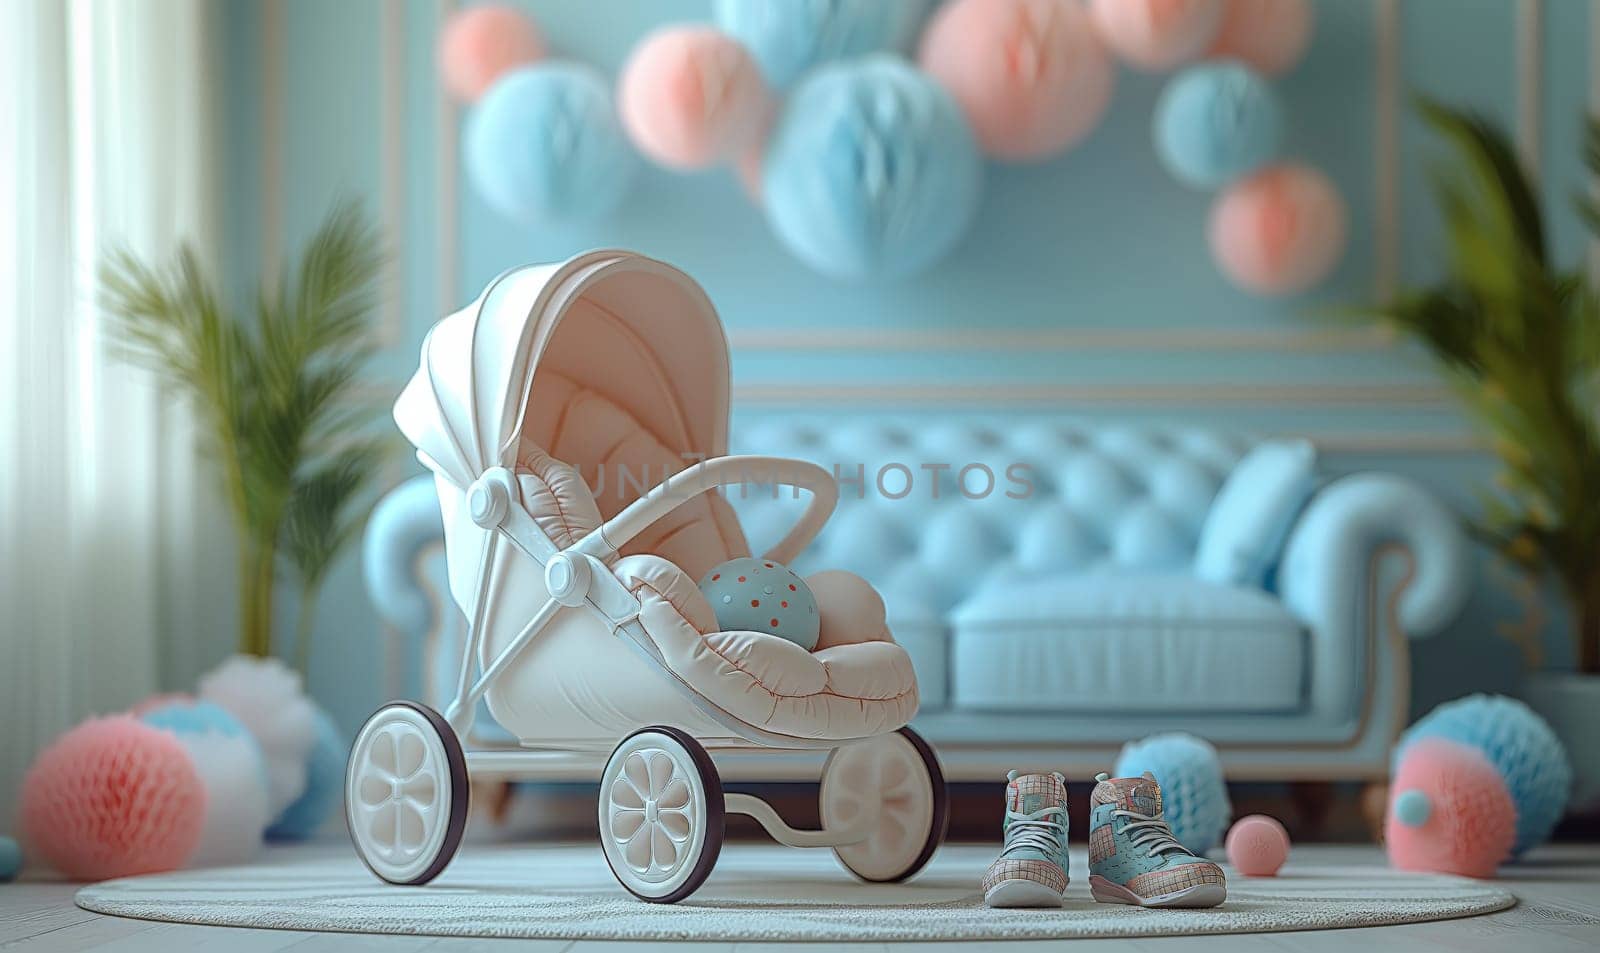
point(914, 340)
point(1386, 147)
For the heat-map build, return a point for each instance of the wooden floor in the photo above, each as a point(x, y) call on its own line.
point(1558, 887)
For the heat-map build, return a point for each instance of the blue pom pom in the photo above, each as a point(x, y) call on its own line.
point(544, 144)
point(1522, 748)
point(871, 171)
point(1217, 122)
point(789, 38)
point(1194, 796)
point(10, 859)
point(324, 785)
point(194, 718)
point(1412, 808)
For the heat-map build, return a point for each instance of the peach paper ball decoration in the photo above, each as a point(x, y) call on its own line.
point(1449, 811)
point(111, 798)
point(1030, 75)
point(1157, 34)
point(1279, 231)
point(1257, 845)
point(1270, 35)
point(480, 44)
point(691, 97)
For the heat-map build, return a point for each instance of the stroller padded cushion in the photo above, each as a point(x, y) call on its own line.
point(556, 496)
point(856, 684)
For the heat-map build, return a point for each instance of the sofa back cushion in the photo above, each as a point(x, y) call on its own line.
point(932, 508)
point(1244, 532)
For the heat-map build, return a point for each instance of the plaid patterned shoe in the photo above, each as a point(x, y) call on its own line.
point(1031, 870)
point(1133, 857)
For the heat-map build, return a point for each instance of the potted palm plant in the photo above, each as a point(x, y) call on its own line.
point(277, 394)
point(1517, 333)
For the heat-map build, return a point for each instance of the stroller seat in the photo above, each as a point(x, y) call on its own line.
point(856, 683)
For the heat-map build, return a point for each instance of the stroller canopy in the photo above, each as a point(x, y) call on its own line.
point(633, 329)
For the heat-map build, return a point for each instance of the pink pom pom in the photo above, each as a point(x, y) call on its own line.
point(1279, 231)
point(1157, 34)
point(1449, 811)
point(1030, 75)
point(1257, 846)
point(691, 97)
point(111, 798)
point(1269, 35)
point(479, 45)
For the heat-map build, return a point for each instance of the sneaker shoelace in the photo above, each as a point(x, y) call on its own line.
point(1151, 832)
point(1043, 830)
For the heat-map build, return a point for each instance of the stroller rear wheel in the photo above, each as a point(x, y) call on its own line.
point(900, 774)
point(661, 814)
point(406, 793)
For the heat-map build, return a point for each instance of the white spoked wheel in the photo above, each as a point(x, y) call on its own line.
point(406, 793)
point(661, 814)
point(897, 775)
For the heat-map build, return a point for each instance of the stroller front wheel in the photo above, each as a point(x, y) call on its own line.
point(661, 814)
point(897, 775)
point(406, 793)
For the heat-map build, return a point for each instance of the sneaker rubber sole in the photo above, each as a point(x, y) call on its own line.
point(1196, 897)
point(1021, 893)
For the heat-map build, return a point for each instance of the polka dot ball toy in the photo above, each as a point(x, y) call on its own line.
point(871, 171)
point(1217, 122)
point(1449, 811)
point(691, 97)
point(1031, 75)
point(1257, 845)
point(545, 146)
point(1270, 35)
point(481, 44)
point(751, 594)
point(112, 797)
point(1278, 231)
point(1157, 34)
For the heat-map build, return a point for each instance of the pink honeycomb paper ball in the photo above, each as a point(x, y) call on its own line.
point(111, 798)
point(1257, 846)
point(480, 44)
point(1157, 34)
point(1269, 35)
point(1279, 231)
point(1031, 75)
point(1449, 811)
point(691, 97)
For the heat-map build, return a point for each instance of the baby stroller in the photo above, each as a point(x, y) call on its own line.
point(588, 633)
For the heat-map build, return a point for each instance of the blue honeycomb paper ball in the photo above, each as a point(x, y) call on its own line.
point(324, 785)
point(787, 39)
point(184, 717)
point(544, 145)
point(1194, 796)
point(1216, 123)
point(751, 594)
point(872, 170)
point(1520, 745)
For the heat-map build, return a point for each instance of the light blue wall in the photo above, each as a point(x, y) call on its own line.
point(1101, 239)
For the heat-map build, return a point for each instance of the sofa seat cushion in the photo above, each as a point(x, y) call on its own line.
point(1125, 642)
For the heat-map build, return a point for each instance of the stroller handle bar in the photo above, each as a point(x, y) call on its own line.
point(685, 485)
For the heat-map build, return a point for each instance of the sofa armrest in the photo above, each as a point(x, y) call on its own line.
point(404, 525)
point(1331, 552)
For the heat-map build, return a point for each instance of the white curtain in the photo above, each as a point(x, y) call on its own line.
point(104, 140)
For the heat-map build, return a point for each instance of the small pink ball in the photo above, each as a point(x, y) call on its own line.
point(1269, 35)
point(1449, 811)
point(480, 44)
point(691, 97)
point(1279, 231)
point(1157, 34)
point(1257, 846)
point(111, 798)
point(1030, 75)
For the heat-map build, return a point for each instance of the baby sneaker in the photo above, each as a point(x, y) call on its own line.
point(1031, 870)
point(1133, 857)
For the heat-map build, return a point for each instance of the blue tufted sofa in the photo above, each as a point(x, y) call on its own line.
point(1038, 570)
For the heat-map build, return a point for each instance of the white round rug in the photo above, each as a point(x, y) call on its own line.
point(755, 893)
